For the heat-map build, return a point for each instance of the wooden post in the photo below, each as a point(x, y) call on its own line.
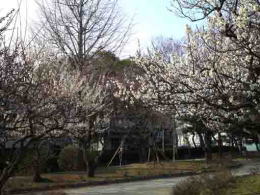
point(149, 154)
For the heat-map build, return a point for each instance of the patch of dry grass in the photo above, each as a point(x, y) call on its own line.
point(152, 169)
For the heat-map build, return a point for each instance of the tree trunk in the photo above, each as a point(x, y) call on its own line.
point(231, 141)
point(233, 145)
point(208, 151)
point(193, 140)
point(163, 140)
point(149, 154)
point(80, 37)
point(141, 153)
point(37, 173)
point(202, 143)
point(91, 168)
point(157, 157)
point(1, 189)
point(220, 148)
point(2, 183)
point(237, 145)
point(9, 170)
point(174, 145)
point(81, 163)
point(4, 177)
point(84, 156)
point(241, 145)
point(174, 139)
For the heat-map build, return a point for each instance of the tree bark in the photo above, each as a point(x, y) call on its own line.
point(193, 140)
point(92, 165)
point(4, 177)
point(9, 170)
point(202, 143)
point(241, 145)
point(37, 173)
point(37, 164)
point(2, 184)
point(174, 145)
point(149, 154)
point(208, 150)
point(141, 153)
point(220, 148)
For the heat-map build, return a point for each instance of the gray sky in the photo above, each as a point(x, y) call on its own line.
point(151, 19)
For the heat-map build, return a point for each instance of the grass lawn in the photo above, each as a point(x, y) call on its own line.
point(109, 174)
point(246, 185)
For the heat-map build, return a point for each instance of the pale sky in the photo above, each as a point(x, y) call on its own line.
point(151, 19)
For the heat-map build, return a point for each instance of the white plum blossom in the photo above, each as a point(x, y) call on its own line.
point(217, 77)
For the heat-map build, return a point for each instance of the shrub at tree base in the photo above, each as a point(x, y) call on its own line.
point(68, 158)
point(210, 184)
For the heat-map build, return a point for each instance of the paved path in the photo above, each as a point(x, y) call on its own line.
point(247, 168)
point(150, 187)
